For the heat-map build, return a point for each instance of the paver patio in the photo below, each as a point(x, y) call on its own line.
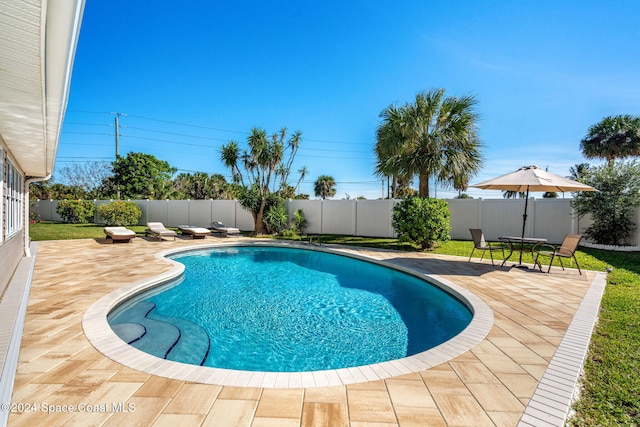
point(512, 369)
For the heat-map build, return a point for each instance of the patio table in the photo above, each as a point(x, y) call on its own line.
point(510, 240)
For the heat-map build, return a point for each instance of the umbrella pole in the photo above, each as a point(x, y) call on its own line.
point(524, 223)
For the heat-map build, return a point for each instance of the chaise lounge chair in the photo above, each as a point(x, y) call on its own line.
point(567, 249)
point(194, 231)
point(221, 228)
point(157, 229)
point(119, 234)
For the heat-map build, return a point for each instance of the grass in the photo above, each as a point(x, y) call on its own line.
point(611, 384)
point(56, 231)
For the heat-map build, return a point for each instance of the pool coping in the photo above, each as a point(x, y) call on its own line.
point(559, 386)
point(101, 336)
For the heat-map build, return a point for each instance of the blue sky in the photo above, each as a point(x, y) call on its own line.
point(193, 76)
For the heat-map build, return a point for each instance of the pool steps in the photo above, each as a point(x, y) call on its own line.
point(166, 337)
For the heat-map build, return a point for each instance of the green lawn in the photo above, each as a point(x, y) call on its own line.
point(611, 395)
point(56, 231)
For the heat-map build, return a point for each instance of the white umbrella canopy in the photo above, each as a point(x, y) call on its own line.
point(532, 178)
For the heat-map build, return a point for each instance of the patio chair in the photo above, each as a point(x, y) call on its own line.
point(157, 229)
point(567, 249)
point(119, 234)
point(481, 244)
point(221, 228)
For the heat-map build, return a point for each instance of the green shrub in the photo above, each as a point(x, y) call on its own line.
point(422, 221)
point(298, 223)
point(76, 211)
point(119, 213)
point(276, 218)
point(34, 212)
point(289, 233)
point(612, 208)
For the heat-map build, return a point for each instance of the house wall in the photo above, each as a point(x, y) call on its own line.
point(11, 252)
point(11, 244)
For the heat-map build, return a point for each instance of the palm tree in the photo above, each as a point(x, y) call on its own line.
point(265, 167)
point(325, 186)
point(433, 137)
point(613, 137)
point(403, 188)
point(389, 143)
point(162, 190)
point(303, 171)
point(578, 171)
point(513, 194)
point(230, 155)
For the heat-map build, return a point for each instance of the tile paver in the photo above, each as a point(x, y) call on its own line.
point(490, 384)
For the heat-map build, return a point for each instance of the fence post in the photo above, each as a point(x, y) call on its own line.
point(533, 215)
point(321, 215)
point(637, 242)
point(355, 217)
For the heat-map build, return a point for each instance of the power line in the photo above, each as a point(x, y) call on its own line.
point(168, 142)
point(301, 153)
point(189, 125)
point(177, 134)
point(325, 141)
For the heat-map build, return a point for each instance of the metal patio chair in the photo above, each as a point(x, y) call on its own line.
point(481, 244)
point(567, 249)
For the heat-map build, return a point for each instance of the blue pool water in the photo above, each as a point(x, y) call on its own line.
point(283, 309)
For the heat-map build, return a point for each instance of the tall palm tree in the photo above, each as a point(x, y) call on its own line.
point(324, 186)
point(613, 137)
point(303, 171)
point(264, 167)
point(389, 145)
point(230, 155)
point(436, 136)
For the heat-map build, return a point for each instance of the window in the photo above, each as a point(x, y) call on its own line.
point(14, 200)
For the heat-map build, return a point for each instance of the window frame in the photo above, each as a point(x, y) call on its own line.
point(3, 203)
point(14, 199)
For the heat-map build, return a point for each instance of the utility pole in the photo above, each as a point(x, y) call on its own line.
point(117, 134)
point(117, 126)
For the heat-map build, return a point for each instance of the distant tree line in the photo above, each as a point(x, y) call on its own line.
point(138, 176)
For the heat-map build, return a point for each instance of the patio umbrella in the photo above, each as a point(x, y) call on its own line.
point(532, 178)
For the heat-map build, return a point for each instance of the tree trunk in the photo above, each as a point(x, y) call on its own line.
point(258, 226)
point(423, 189)
point(394, 186)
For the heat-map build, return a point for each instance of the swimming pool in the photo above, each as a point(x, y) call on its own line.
point(282, 309)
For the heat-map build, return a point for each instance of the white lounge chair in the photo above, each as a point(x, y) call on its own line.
point(194, 231)
point(119, 234)
point(221, 228)
point(157, 229)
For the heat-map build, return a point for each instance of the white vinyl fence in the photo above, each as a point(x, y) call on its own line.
point(548, 218)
